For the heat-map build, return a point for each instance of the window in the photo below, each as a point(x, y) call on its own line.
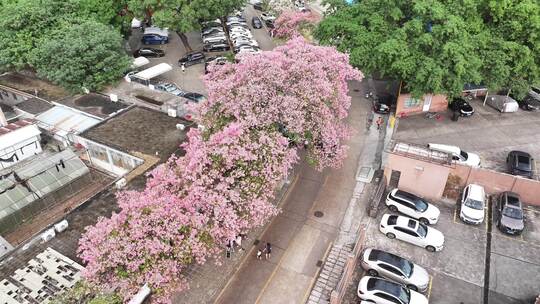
point(387, 297)
point(390, 269)
point(411, 103)
point(406, 231)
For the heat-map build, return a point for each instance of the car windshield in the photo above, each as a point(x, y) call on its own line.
point(474, 204)
point(392, 288)
point(422, 230)
point(464, 154)
point(514, 213)
point(404, 265)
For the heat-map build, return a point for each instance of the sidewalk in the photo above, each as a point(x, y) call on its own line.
point(304, 232)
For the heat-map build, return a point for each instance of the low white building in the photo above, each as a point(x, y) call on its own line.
point(18, 141)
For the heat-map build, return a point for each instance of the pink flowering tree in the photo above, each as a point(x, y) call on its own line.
point(291, 23)
point(299, 89)
point(253, 123)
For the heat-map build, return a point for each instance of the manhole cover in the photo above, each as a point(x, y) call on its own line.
point(318, 214)
point(319, 263)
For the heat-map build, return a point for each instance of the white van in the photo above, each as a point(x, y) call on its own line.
point(458, 155)
point(502, 103)
point(473, 203)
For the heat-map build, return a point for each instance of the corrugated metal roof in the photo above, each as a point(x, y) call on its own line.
point(154, 71)
point(12, 136)
point(65, 119)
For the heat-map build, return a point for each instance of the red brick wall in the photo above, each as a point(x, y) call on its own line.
point(439, 103)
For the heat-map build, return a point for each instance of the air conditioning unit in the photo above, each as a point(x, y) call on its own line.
point(121, 183)
point(171, 112)
point(61, 226)
point(48, 235)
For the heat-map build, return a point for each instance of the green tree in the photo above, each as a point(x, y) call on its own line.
point(438, 46)
point(182, 16)
point(86, 55)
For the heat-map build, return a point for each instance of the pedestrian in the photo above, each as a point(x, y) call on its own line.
point(259, 254)
point(228, 255)
point(379, 122)
point(268, 250)
point(238, 242)
point(230, 245)
point(183, 66)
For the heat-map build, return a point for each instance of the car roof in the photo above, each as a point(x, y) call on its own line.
point(476, 192)
point(407, 195)
point(512, 199)
point(519, 153)
point(384, 285)
point(387, 257)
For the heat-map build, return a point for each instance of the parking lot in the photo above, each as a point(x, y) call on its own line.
point(489, 133)
point(459, 272)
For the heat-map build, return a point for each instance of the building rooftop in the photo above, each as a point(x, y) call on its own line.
point(140, 129)
point(33, 85)
point(9, 128)
point(96, 104)
point(34, 106)
point(61, 119)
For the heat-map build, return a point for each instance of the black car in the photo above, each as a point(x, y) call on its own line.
point(462, 106)
point(216, 47)
point(510, 213)
point(258, 6)
point(520, 163)
point(269, 24)
point(382, 104)
point(149, 53)
point(256, 22)
point(191, 59)
point(196, 97)
point(529, 103)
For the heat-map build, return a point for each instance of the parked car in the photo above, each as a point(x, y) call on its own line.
point(154, 39)
point(217, 38)
point(535, 92)
point(382, 104)
point(236, 35)
point(256, 22)
point(216, 47)
point(247, 48)
point(473, 202)
point(459, 156)
point(212, 31)
point(236, 18)
point(258, 6)
point(462, 106)
point(413, 206)
point(269, 24)
point(412, 231)
point(510, 219)
point(191, 59)
point(195, 97)
point(529, 103)
point(267, 17)
point(157, 31)
point(380, 291)
point(381, 263)
point(214, 60)
point(242, 40)
point(149, 53)
point(502, 103)
point(169, 88)
point(520, 163)
point(211, 24)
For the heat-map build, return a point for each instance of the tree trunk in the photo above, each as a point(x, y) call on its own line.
point(185, 41)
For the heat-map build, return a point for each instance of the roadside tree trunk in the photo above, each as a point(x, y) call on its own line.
point(185, 41)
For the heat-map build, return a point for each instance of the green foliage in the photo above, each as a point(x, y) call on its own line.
point(82, 293)
point(182, 15)
point(438, 46)
point(87, 55)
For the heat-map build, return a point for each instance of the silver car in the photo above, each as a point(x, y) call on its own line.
point(380, 263)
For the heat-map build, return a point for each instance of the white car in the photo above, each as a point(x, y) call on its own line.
point(412, 231)
point(381, 263)
point(459, 156)
point(235, 35)
point(240, 41)
point(473, 202)
point(215, 39)
point(413, 206)
point(380, 291)
point(267, 17)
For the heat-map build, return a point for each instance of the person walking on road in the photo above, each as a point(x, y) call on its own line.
point(268, 250)
point(259, 254)
point(183, 68)
point(379, 122)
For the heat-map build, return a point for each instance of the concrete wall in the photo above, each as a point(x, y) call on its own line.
point(423, 178)
point(496, 182)
point(439, 103)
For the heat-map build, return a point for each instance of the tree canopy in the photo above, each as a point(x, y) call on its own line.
point(31, 29)
point(439, 46)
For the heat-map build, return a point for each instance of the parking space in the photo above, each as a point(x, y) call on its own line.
point(458, 272)
point(489, 133)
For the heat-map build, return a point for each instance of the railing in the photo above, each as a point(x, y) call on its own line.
point(419, 152)
point(377, 196)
